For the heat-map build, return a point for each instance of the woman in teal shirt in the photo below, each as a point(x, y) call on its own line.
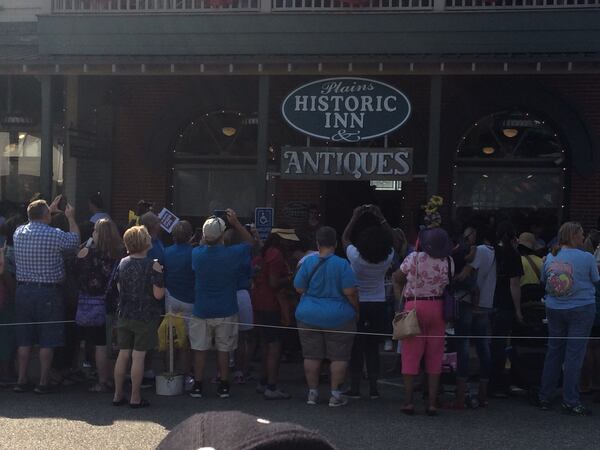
point(329, 302)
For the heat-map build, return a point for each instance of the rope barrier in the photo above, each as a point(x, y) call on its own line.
point(356, 333)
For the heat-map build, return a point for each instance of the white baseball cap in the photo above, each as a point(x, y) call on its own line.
point(213, 228)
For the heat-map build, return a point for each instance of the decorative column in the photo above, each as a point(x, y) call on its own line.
point(47, 138)
point(263, 140)
point(435, 121)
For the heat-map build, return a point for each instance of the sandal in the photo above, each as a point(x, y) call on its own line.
point(431, 412)
point(142, 404)
point(121, 402)
point(456, 405)
point(408, 409)
point(100, 388)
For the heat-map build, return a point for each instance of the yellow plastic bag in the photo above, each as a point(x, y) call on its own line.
point(179, 332)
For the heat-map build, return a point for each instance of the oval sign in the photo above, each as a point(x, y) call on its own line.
point(346, 109)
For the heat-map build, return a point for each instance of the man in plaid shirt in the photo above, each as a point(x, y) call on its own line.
point(40, 265)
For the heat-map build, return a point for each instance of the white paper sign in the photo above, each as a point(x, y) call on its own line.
point(168, 220)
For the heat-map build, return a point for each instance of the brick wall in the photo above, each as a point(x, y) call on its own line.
point(583, 93)
point(143, 101)
point(136, 175)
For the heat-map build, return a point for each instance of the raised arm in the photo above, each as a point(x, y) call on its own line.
point(358, 211)
point(239, 228)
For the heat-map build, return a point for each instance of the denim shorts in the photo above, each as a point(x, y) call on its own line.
point(36, 303)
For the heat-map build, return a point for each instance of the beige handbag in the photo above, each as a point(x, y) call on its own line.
point(405, 323)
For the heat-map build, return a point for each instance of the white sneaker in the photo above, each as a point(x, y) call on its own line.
point(276, 394)
point(313, 398)
point(334, 402)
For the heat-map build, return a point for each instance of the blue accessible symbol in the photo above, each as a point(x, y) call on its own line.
point(263, 218)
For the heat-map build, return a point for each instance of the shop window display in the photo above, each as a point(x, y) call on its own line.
point(20, 166)
point(214, 164)
point(510, 164)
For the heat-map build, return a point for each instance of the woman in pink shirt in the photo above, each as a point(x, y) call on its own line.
point(422, 278)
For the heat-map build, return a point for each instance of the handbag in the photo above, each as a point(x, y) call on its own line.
point(91, 311)
point(406, 323)
point(449, 303)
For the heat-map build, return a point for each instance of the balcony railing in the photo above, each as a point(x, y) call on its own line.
point(266, 6)
point(150, 6)
point(519, 4)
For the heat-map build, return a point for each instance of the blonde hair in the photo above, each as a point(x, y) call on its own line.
point(566, 233)
point(108, 240)
point(137, 239)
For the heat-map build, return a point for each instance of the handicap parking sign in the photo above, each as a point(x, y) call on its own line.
point(263, 219)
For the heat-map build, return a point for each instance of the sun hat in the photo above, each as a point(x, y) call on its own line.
point(528, 240)
point(435, 242)
point(243, 432)
point(286, 233)
point(213, 228)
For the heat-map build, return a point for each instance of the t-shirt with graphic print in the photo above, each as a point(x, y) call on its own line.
point(426, 276)
point(569, 278)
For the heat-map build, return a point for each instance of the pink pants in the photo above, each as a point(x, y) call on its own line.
point(431, 322)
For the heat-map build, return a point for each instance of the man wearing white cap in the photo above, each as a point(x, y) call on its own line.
point(216, 268)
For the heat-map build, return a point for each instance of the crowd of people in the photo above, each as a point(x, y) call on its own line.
point(332, 299)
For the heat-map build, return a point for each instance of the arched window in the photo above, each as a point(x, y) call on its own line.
point(511, 136)
point(214, 164)
point(512, 163)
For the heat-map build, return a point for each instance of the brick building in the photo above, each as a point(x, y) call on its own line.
point(179, 102)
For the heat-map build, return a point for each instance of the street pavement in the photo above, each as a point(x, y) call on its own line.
point(75, 419)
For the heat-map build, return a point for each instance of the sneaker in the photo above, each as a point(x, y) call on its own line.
point(276, 394)
point(334, 402)
point(388, 346)
point(579, 410)
point(147, 383)
point(373, 393)
point(350, 393)
point(238, 378)
point(313, 398)
point(22, 387)
point(44, 389)
point(260, 388)
point(189, 383)
point(223, 390)
point(196, 391)
point(545, 405)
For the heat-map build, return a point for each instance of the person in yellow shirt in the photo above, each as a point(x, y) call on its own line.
point(531, 288)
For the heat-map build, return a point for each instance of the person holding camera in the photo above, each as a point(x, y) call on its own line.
point(217, 268)
point(370, 258)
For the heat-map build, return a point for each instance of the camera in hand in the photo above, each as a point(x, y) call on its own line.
point(221, 214)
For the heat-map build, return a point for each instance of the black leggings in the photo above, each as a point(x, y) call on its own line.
point(366, 348)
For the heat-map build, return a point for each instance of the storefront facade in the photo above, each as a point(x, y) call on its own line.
point(503, 115)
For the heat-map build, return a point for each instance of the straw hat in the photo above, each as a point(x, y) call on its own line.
point(285, 233)
point(528, 240)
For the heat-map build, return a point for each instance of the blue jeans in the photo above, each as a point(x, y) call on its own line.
point(472, 323)
point(502, 325)
point(35, 303)
point(567, 354)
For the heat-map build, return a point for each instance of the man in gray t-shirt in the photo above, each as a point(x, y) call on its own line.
point(475, 313)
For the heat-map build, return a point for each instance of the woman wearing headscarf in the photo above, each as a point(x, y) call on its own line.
point(421, 279)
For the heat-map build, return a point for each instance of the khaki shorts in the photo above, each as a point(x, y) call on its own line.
point(325, 344)
point(222, 332)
